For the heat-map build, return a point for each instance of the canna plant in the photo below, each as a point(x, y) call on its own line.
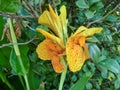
point(61, 49)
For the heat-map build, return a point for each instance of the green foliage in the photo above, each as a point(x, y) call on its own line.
point(14, 60)
point(80, 84)
point(9, 6)
point(100, 72)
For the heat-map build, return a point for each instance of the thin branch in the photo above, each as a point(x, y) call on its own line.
point(14, 15)
point(40, 6)
point(31, 8)
point(25, 43)
point(100, 19)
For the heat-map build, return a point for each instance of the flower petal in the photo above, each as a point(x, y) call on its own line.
point(75, 55)
point(79, 30)
point(58, 67)
point(47, 49)
point(52, 13)
point(46, 20)
point(63, 20)
point(90, 32)
point(82, 41)
point(87, 56)
point(42, 50)
point(63, 12)
point(52, 37)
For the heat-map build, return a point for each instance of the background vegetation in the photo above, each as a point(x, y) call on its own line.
point(104, 48)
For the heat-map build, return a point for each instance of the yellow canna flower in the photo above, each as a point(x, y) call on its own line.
point(53, 48)
point(77, 49)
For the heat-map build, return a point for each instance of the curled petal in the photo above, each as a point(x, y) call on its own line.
point(57, 66)
point(52, 13)
point(46, 20)
point(63, 19)
point(47, 49)
point(90, 32)
point(75, 55)
point(82, 41)
point(51, 37)
point(63, 12)
point(87, 56)
point(79, 30)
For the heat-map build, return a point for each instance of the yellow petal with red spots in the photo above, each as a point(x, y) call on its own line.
point(87, 56)
point(47, 49)
point(75, 55)
point(57, 66)
point(82, 41)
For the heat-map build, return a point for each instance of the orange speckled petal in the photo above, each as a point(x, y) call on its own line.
point(82, 41)
point(43, 51)
point(58, 67)
point(75, 55)
point(87, 56)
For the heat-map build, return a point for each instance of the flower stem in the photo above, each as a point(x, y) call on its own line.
point(63, 76)
point(26, 81)
point(17, 51)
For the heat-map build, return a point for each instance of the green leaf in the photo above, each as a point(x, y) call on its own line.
point(89, 14)
point(109, 64)
point(82, 4)
point(9, 5)
point(94, 51)
point(111, 18)
point(99, 5)
point(112, 65)
point(91, 2)
point(1, 26)
point(80, 84)
point(4, 79)
point(4, 57)
point(14, 60)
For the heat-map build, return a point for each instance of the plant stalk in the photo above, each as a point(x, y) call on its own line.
point(18, 52)
point(63, 76)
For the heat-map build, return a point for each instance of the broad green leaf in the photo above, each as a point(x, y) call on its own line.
point(112, 65)
point(80, 84)
point(91, 2)
point(89, 14)
point(9, 5)
point(14, 60)
point(4, 56)
point(117, 84)
point(109, 64)
point(82, 4)
point(99, 5)
point(111, 18)
point(101, 67)
point(94, 51)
